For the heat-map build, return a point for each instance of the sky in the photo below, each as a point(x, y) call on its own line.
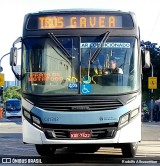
point(12, 14)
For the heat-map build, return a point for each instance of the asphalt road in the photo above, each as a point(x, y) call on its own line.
point(11, 145)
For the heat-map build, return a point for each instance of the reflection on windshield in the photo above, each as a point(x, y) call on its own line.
point(50, 67)
point(114, 69)
point(59, 67)
point(56, 41)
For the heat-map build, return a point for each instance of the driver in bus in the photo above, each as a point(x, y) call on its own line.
point(113, 68)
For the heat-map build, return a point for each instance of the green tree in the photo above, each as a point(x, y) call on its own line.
point(12, 92)
point(155, 60)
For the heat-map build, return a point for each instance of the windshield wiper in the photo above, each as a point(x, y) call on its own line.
point(95, 54)
point(56, 41)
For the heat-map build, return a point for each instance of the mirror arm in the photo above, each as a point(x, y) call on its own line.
point(19, 39)
point(16, 74)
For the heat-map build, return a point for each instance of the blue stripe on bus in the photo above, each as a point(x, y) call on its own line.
point(93, 117)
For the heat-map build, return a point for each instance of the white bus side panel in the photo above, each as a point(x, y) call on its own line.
point(132, 131)
point(30, 133)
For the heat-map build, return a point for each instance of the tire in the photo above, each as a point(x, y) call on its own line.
point(45, 150)
point(129, 150)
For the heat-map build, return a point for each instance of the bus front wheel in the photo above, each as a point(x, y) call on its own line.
point(45, 150)
point(129, 150)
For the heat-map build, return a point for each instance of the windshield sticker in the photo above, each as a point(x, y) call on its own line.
point(86, 79)
point(39, 77)
point(72, 79)
point(73, 85)
point(105, 45)
point(85, 88)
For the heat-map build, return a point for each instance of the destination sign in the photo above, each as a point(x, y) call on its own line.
point(73, 20)
point(42, 76)
point(79, 21)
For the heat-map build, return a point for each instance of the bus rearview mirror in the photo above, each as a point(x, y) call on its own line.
point(13, 56)
point(147, 59)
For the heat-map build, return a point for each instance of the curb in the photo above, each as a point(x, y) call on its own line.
point(143, 142)
point(151, 123)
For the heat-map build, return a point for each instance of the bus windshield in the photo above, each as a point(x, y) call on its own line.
point(12, 106)
point(49, 69)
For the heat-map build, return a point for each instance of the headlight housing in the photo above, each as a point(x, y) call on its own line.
point(32, 118)
point(26, 114)
point(126, 118)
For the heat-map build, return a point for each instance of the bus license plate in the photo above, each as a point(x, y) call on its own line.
point(80, 134)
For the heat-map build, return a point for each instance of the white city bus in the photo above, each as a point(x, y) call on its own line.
point(12, 108)
point(70, 97)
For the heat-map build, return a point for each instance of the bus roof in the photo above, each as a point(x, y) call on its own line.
point(64, 19)
point(81, 10)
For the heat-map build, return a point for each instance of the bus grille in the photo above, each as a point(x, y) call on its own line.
point(79, 104)
point(97, 133)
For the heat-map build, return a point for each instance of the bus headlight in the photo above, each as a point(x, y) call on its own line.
point(134, 113)
point(36, 120)
point(26, 114)
point(124, 120)
point(127, 117)
point(31, 118)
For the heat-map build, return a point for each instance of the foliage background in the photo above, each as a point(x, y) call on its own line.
point(155, 60)
point(12, 92)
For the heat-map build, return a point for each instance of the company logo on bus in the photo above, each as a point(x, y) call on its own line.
point(80, 108)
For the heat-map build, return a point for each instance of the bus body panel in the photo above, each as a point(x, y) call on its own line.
point(131, 132)
point(35, 136)
point(84, 117)
point(30, 133)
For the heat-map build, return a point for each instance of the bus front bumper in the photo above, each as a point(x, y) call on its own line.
point(127, 134)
